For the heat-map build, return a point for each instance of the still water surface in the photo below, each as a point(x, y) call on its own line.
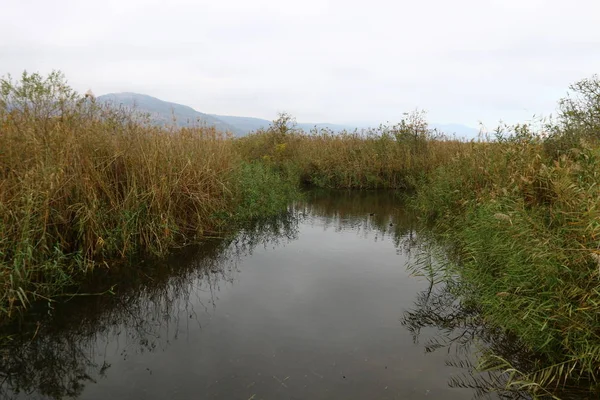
point(312, 305)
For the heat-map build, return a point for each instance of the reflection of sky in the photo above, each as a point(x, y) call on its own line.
point(316, 318)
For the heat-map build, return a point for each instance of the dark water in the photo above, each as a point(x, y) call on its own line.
point(317, 304)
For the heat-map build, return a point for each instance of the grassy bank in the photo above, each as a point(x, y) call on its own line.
point(522, 215)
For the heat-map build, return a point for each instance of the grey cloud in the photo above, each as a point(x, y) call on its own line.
point(338, 61)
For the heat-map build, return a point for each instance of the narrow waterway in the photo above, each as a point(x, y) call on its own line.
point(316, 304)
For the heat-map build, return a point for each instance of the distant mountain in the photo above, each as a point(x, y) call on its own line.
point(165, 113)
point(249, 124)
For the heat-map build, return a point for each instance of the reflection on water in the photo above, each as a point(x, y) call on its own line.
point(57, 354)
point(314, 304)
point(461, 333)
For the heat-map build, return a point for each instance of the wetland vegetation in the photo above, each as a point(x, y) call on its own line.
point(88, 192)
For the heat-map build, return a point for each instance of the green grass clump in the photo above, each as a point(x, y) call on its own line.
point(262, 191)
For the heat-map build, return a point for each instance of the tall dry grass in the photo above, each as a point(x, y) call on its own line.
point(81, 184)
point(385, 157)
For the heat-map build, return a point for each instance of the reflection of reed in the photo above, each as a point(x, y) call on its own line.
point(468, 340)
point(58, 357)
point(55, 356)
point(377, 213)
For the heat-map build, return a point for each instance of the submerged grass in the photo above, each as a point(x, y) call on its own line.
point(82, 184)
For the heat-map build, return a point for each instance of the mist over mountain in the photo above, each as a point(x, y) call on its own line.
point(167, 113)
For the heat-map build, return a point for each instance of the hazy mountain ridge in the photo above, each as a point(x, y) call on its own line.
point(165, 113)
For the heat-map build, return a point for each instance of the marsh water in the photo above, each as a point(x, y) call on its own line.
point(320, 303)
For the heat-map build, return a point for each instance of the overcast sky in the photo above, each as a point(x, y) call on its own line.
point(339, 61)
